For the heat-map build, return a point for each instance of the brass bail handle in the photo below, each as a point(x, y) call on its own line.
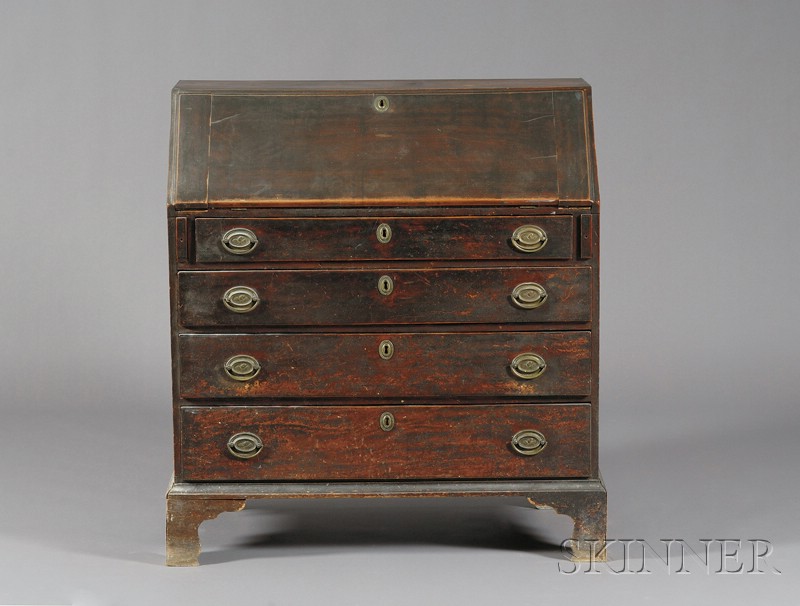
point(528, 442)
point(528, 366)
point(239, 241)
point(529, 238)
point(245, 445)
point(529, 295)
point(240, 299)
point(242, 367)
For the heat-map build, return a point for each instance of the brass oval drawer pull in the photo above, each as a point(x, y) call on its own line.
point(528, 442)
point(385, 285)
point(529, 238)
point(242, 367)
point(240, 299)
point(529, 295)
point(386, 421)
point(383, 233)
point(528, 365)
point(245, 445)
point(239, 241)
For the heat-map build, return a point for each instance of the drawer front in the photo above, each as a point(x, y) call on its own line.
point(385, 365)
point(360, 443)
point(339, 297)
point(354, 239)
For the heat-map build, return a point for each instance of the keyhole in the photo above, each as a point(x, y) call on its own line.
point(386, 349)
point(381, 103)
point(386, 421)
point(385, 285)
point(384, 233)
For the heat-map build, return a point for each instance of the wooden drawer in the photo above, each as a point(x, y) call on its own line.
point(358, 443)
point(353, 365)
point(347, 297)
point(363, 239)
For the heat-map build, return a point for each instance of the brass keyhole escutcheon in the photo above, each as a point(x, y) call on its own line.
point(529, 295)
point(528, 442)
point(386, 421)
point(385, 285)
point(239, 241)
point(242, 367)
point(245, 445)
point(383, 233)
point(381, 103)
point(240, 299)
point(528, 366)
point(386, 349)
point(529, 238)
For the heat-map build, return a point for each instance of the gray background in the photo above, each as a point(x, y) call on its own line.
point(697, 138)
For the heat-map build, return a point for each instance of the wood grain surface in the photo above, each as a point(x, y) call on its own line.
point(425, 296)
point(355, 238)
point(427, 442)
point(487, 140)
point(349, 365)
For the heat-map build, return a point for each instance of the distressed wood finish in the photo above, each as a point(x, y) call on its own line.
point(588, 510)
point(316, 170)
point(330, 146)
point(340, 146)
point(349, 365)
point(348, 443)
point(340, 297)
point(582, 500)
point(184, 517)
point(355, 239)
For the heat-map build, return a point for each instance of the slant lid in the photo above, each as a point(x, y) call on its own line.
point(438, 142)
